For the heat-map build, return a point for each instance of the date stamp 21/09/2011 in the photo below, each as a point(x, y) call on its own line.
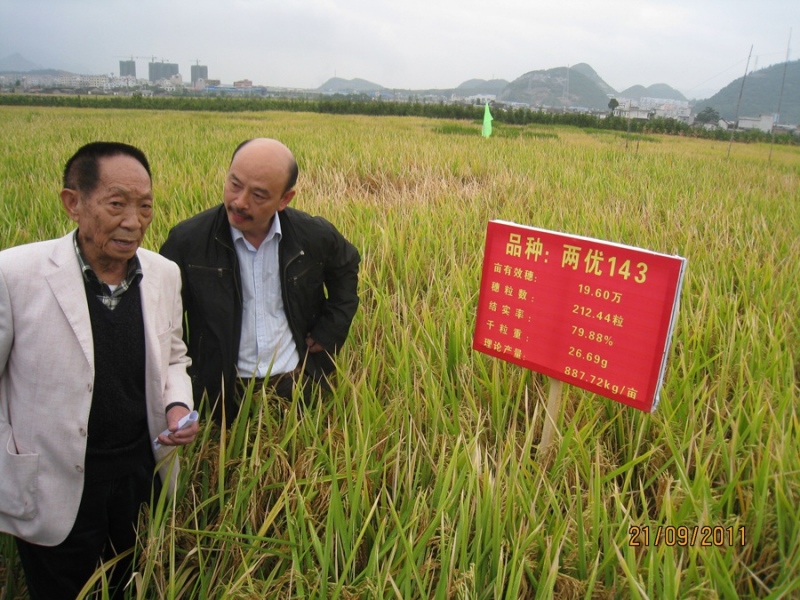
point(704, 536)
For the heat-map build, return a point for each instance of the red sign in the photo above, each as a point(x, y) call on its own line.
point(593, 314)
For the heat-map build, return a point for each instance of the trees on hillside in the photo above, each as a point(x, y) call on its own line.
point(707, 115)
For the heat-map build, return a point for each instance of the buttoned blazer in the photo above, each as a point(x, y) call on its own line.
point(47, 375)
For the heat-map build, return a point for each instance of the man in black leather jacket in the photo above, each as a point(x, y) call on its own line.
point(265, 298)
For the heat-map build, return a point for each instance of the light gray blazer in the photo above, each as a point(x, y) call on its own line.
point(47, 374)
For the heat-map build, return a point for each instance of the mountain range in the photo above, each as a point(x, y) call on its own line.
point(18, 64)
point(578, 85)
point(774, 89)
point(764, 92)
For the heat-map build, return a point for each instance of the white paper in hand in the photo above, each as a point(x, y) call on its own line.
point(182, 424)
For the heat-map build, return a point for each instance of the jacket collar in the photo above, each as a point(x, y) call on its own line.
point(288, 236)
point(221, 228)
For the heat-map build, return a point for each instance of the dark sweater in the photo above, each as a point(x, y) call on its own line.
point(118, 433)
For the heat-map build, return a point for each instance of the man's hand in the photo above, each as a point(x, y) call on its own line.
point(313, 346)
point(175, 437)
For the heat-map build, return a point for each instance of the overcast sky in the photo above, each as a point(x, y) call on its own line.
point(696, 46)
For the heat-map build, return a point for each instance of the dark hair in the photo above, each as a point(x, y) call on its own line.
point(82, 171)
point(293, 169)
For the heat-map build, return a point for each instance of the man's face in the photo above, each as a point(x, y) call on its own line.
point(113, 217)
point(254, 190)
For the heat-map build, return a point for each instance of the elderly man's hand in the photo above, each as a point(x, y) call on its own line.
point(178, 437)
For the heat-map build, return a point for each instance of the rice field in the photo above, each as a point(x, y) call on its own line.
point(419, 476)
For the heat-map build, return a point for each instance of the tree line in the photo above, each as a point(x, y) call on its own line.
point(363, 105)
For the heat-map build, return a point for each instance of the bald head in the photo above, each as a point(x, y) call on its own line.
point(272, 154)
point(258, 185)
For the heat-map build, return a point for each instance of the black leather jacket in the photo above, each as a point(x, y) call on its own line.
point(314, 259)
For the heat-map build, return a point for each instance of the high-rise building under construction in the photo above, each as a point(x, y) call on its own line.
point(162, 70)
point(127, 68)
point(199, 72)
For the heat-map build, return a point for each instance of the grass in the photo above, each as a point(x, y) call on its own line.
point(419, 476)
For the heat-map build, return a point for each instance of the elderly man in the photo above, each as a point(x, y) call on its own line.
point(269, 291)
point(92, 372)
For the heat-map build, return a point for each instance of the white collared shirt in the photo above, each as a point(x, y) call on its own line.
point(266, 347)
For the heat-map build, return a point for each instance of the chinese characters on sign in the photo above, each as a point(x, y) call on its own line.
point(593, 314)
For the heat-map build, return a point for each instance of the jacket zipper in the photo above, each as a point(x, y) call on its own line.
point(232, 251)
point(285, 292)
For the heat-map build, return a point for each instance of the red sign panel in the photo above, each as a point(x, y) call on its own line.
point(593, 314)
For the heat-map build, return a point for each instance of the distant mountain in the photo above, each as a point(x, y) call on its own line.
point(16, 63)
point(578, 85)
point(585, 69)
point(657, 90)
point(560, 87)
point(39, 73)
point(762, 90)
point(481, 86)
point(337, 85)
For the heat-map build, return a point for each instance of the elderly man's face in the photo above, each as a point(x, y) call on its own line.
point(112, 218)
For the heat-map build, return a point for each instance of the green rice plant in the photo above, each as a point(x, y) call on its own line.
point(420, 475)
point(457, 129)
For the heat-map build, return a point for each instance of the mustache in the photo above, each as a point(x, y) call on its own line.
point(241, 213)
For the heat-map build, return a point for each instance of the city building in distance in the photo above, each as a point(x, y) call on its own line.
point(162, 70)
point(199, 72)
point(127, 68)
